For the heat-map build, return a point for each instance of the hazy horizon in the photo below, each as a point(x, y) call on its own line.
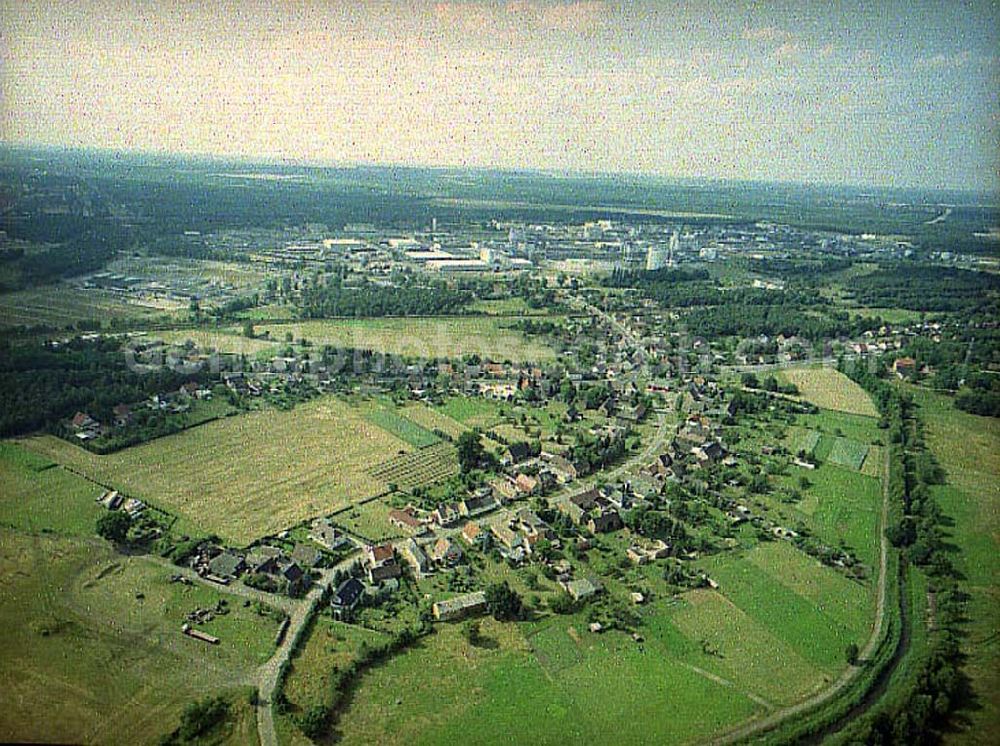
point(901, 95)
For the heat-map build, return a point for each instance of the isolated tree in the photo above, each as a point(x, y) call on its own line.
point(248, 331)
point(114, 526)
point(470, 451)
point(851, 654)
point(504, 603)
point(472, 633)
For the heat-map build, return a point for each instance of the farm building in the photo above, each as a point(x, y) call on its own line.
point(459, 607)
point(580, 588)
point(226, 566)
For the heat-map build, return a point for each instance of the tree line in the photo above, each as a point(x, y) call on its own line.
point(927, 700)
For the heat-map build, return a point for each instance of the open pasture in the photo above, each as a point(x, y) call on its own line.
point(759, 590)
point(744, 650)
point(429, 338)
point(968, 448)
point(247, 476)
point(63, 305)
point(840, 505)
point(39, 496)
point(831, 389)
point(611, 685)
point(69, 600)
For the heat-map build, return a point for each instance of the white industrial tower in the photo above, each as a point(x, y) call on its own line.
point(656, 257)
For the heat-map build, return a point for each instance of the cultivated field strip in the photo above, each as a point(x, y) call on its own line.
point(418, 468)
point(247, 476)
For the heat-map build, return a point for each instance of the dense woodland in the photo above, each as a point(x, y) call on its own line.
point(710, 310)
point(334, 299)
point(41, 385)
point(926, 288)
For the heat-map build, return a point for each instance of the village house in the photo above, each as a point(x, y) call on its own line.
point(510, 543)
point(579, 505)
point(474, 536)
point(122, 414)
point(415, 557)
point(605, 522)
point(642, 552)
point(293, 574)
point(380, 563)
point(526, 484)
point(516, 453)
point(479, 504)
point(533, 526)
point(447, 514)
point(904, 367)
point(86, 427)
point(263, 559)
point(112, 500)
point(459, 607)
point(225, 567)
point(504, 489)
point(446, 552)
point(564, 469)
point(709, 452)
point(306, 556)
point(406, 518)
point(346, 598)
point(324, 534)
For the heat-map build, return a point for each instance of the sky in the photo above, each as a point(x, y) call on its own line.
point(868, 93)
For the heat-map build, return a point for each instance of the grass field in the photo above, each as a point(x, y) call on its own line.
point(446, 691)
point(801, 440)
point(472, 411)
point(849, 453)
point(842, 425)
point(101, 663)
point(446, 337)
point(247, 476)
point(505, 307)
point(968, 447)
point(432, 419)
point(39, 496)
point(745, 649)
point(890, 315)
point(60, 305)
point(760, 590)
point(841, 505)
point(223, 341)
point(830, 389)
point(400, 426)
point(774, 632)
point(330, 643)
